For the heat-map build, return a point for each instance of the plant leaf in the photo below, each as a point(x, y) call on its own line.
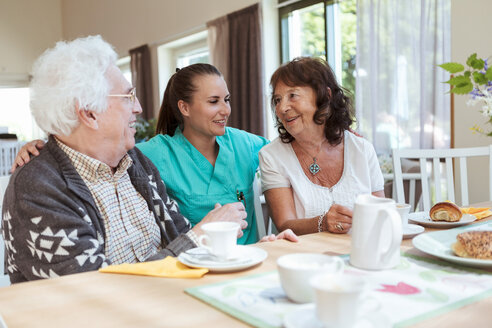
point(452, 67)
point(470, 59)
point(477, 64)
point(460, 79)
point(488, 74)
point(462, 89)
point(479, 78)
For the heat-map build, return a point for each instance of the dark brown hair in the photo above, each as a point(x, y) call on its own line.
point(334, 111)
point(180, 87)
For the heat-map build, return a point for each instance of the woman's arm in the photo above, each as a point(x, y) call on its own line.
point(379, 193)
point(281, 203)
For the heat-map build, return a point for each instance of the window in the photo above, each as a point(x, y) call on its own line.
point(194, 56)
point(15, 114)
point(179, 53)
point(124, 65)
point(325, 29)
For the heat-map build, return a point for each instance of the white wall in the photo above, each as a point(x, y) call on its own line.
point(27, 28)
point(127, 24)
point(470, 30)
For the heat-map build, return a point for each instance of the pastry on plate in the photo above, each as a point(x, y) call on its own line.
point(474, 244)
point(445, 211)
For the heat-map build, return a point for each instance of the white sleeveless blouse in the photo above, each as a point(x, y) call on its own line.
point(280, 168)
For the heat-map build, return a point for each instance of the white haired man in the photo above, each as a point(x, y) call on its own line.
point(90, 198)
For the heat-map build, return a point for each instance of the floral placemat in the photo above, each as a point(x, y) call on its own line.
point(418, 289)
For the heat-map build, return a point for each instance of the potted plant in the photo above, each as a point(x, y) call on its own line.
point(476, 81)
point(145, 129)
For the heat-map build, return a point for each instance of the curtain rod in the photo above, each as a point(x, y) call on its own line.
point(179, 35)
point(287, 3)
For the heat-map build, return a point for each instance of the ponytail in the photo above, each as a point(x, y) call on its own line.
point(169, 115)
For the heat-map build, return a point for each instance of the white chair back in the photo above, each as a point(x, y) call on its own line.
point(8, 151)
point(433, 179)
point(264, 223)
point(4, 182)
point(4, 278)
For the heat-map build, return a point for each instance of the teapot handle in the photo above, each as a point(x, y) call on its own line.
point(396, 232)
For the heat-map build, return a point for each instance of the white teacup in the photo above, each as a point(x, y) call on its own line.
point(220, 238)
point(403, 209)
point(296, 269)
point(340, 300)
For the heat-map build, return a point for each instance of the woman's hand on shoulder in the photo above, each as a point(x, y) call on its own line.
point(286, 234)
point(24, 154)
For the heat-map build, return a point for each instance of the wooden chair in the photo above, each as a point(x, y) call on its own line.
point(411, 184)
point(440, 158)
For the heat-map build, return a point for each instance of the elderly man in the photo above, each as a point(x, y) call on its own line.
point(90, 198)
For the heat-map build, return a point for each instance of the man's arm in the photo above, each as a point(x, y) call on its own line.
point(47, 233)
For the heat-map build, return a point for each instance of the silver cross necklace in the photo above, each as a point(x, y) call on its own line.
point(313, 167)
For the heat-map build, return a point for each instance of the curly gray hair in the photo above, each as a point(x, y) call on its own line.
point(70, 75)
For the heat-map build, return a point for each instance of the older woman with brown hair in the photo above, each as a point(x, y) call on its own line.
point(312, 173)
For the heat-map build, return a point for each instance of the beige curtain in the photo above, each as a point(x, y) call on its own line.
point(218, 42)
point(142, 79)
point(235, 45)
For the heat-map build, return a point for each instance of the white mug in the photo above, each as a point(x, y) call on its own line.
point(220, 238)
point(296, 269)
point(403, 209)
point(376, 233)
point(341, 300)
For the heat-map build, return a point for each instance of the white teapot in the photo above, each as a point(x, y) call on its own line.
point(376, 233)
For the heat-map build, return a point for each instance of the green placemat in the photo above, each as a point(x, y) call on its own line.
point(418, 289)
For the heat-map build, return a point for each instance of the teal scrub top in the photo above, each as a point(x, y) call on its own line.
point(197, 185)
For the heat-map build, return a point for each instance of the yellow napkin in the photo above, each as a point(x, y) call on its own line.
point(169, 267)
point(480, 212)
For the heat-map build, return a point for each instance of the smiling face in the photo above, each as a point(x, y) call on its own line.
point(117, 123)
point(207, 113)
point(295, 108)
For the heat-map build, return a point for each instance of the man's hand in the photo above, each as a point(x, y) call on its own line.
point(287, 234)
point(23, 156)
point(234, 212)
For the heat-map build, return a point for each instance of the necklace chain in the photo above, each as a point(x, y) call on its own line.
point(313, 167)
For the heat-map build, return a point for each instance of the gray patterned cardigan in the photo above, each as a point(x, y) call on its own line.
point(51, 224)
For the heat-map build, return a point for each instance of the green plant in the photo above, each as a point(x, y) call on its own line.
point(145, 129)
point(476, 81)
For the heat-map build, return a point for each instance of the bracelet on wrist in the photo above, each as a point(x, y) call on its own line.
point(320, 222)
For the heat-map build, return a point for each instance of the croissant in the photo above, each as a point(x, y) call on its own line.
point(445, 211)
point(474, 244)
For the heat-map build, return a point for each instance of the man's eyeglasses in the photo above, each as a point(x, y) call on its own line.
point(132, 95)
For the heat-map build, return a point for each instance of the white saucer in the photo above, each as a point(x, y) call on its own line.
point(246, 256)
point(305, 317)
point(411, 230)
point(424, 219)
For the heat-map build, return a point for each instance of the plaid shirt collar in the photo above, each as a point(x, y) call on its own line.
point(90, 168)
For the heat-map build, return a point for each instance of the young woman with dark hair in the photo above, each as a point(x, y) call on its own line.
point(201, 160)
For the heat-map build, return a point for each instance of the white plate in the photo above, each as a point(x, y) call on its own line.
point(424, 219)
point(412, 230)
point(438, 243)
point(305, 317)
point(247, 256)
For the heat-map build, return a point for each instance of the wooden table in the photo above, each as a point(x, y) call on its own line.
point(110, 300)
